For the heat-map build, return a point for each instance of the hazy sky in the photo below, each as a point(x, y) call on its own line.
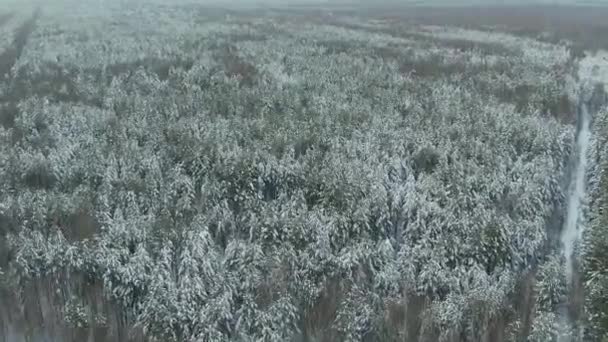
point(418, 2)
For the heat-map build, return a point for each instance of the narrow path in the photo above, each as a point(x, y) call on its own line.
point(574, 224)
point(10, 56)
point(8, 110)
point(9, 100)
point(572, 229)
point(592, 70)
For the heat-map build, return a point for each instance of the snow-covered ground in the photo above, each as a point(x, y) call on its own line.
point(572, 230)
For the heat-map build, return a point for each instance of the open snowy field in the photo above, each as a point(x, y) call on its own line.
point(180, 172)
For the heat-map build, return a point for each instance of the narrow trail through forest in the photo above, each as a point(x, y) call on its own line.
point(572, 231)
point(8, 108)
point(8, 58)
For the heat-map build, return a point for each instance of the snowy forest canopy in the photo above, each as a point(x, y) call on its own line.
point(177, 173)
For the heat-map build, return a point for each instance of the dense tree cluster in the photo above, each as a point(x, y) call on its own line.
point(271, 180)
point(596, 238)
